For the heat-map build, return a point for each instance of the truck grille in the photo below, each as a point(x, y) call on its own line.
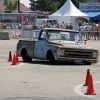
point(78, 53)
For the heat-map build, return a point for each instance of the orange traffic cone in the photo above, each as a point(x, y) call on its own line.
point(85, 42)
point(87, 77)
point(17, 60)
point(10, 57)
point(14, 60)
point(90, 89)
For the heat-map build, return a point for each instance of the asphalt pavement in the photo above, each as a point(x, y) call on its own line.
point(38, 80)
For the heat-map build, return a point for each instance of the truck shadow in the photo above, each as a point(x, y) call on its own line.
point(47, 62)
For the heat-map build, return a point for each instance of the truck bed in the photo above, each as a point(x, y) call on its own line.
point(29, 44)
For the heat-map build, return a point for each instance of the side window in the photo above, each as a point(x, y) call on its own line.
point(43, 35)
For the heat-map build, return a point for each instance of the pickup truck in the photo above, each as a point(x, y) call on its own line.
point(55, 44)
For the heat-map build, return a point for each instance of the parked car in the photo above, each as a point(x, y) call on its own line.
point(44, 21)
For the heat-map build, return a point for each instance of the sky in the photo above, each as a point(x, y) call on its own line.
point(25, 2)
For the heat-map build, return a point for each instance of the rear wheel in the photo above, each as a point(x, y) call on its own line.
point(51, 58)
point(25, 56)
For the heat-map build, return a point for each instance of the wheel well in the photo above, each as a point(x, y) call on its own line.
point(23, 51)
point(48, 54)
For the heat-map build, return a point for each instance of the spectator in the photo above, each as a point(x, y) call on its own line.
point(3, 26)
point(70, 26)
point(97, 34)
point(52, 25)
point(19, 26)
point(34, 27)
point(76, 27)
point(14, 27)
point(89, 29)
point(86, 29)
point(63, 25)
point(58, 26)
point(66, 26)
point(94, 29)
point(82, 28)
point(0, 25)
point(41, 26)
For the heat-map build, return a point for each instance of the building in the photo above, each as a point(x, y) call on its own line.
point(22, 6)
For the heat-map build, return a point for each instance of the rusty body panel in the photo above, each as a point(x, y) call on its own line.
point(28, 45)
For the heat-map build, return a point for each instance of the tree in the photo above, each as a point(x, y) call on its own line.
point(75, 2)
point(10, 6)
point(32, 4)
point(53, 5)
point(87, 1)
point(44, 5)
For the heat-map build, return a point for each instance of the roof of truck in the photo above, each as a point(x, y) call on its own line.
point(60, 29)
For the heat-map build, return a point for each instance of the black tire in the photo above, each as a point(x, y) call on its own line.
point(87, 63)
point(51, 58)
point(25, 56)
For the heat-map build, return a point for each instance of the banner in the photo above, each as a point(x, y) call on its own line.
point(79, 20)
point(89, 6)
point(26, 20)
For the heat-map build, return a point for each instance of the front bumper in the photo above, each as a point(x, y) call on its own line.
point(83, 60)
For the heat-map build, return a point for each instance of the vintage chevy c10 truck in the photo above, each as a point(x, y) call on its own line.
point(57, 45)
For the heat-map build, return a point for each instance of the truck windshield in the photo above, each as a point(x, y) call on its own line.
point(64, 35)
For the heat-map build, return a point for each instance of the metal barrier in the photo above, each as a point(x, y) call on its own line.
point(26, 34)
point(4, 36)
point(90, 35)
point(12, 33)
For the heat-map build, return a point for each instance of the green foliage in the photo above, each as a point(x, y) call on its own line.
point(87, 1)
point(10, 6)
point(53, 5)
point(32, 4)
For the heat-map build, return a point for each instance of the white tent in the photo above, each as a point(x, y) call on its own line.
point(68, 13)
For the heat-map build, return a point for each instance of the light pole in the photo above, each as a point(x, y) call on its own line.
point(35, 5)
point(18, 5)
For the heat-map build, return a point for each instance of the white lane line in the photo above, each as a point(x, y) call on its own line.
point(78, 91)
point(12, 66)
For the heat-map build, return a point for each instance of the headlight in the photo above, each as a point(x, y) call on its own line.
point(95, 55)
point(61, 52)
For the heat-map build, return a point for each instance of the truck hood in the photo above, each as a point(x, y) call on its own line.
point(69, 44)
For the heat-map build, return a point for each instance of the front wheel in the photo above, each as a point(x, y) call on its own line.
point(87, 63)
point(25, 56)
point(51, 58)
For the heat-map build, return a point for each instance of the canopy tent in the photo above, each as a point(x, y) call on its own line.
point(97, 17)
point(68, 13)
point(92, 14)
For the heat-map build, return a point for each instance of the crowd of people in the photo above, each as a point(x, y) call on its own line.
point(87, 30)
